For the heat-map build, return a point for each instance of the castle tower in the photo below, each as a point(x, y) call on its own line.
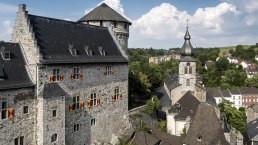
point(105, 16)
point(187, 66)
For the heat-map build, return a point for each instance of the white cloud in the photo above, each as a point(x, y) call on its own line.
point(7, 8)
point(7, 30)
point(164, 26)
point(161, 22)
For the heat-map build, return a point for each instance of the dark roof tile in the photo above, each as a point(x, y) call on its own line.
point(52, 90)
point(172, 82)
point(205, 125)
point(56, 37)
point(13, 71)
point(105, 13)
point(186, 106)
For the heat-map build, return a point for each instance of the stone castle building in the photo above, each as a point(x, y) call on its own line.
point(64, 82)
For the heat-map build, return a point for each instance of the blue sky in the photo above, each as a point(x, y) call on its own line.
point(157, 23)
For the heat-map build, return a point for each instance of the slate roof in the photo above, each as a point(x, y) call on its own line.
point(13, 71)
point(252, 130)
point(172, 82)
point(168, 139)
point(52, 90)
point(246, 91)
point(235, 92)
point(56, 37)
point(214, 92)
point(144, 138)
point(205, 124)
point(225, 93)
point(103, 12)
point(185, 106)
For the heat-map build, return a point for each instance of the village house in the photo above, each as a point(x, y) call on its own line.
point(249, 96)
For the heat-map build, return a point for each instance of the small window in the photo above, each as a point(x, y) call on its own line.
point(3, 109)
point(76, 102)
point(88, 50)
point(116, 93)
point(56, 74)
point(54, 138)
point(19, 140)
point(76, 127)
point(93, 122)
point(190, 70)
point(93, 99)
point(199, 138)
point(186, 70)
point(108, 70)
point(7, 55)
point(101, 23)
point(54, 113)
point(187, 82)
point(76, 73)
point(25, 109)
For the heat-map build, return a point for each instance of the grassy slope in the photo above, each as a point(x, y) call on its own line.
point(227, 48)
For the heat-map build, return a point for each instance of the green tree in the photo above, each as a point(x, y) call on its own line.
point(252, 82)
point(234, 117)
point(162, 126)
point(154, 75)
point(232, 79)
point(152, 105)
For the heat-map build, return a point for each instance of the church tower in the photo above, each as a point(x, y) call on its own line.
point(105, 16)
point(187, 66)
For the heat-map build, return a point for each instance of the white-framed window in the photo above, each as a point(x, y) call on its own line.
point(76, 73)
point(3, 108)
point(239, 102)
point(93, 99)
point(76, 102)
point(239, 97)
point(93, 121)
point(76, 127)
point(257, 100)
point(19, 140)
point(108, 70)
point(117, 92)
point(25, 109)
point(233, 97)
point(54, 138)
point(56, 74)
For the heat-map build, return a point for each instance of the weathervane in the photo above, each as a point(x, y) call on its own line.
point(187, 23)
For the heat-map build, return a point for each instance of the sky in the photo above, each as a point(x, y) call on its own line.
point(156, 23)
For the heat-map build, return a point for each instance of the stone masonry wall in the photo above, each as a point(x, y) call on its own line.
point(22, 124)
point(111, 118)
point(23, 34)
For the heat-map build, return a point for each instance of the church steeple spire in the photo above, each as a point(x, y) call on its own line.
point(187, 49)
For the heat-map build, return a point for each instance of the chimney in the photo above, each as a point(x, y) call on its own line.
point(22, 8)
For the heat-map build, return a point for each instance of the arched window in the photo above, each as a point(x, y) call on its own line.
point(187, 82)
point(190, 70)
point(186, 70)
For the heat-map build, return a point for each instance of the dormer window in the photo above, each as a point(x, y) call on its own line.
point(88, 51)
point(7, 55)
point(101, 51)
point(73, 51)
